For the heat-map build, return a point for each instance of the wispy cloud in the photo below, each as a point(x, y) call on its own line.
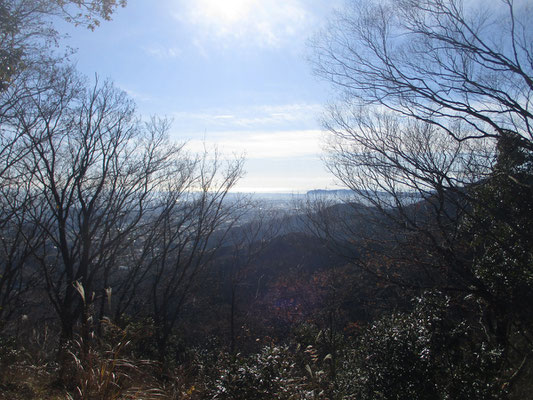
point(137, 95)
point(162, 52)
point(265, 117)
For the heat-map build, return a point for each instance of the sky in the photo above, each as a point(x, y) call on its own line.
point(234, 74)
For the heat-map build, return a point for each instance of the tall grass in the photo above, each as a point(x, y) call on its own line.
point(104, 368)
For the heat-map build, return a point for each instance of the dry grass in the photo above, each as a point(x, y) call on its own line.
point(104, 369)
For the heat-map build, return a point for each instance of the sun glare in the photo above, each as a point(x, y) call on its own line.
point(227, 11)
point(266, 23)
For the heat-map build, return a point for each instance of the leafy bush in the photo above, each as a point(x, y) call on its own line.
point(426, 354)
point(271, 373)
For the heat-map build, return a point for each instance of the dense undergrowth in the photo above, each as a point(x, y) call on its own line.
point(431, 352)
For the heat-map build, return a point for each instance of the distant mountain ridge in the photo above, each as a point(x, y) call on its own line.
point(330, 192)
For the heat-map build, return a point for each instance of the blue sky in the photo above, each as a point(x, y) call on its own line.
point(230, 73)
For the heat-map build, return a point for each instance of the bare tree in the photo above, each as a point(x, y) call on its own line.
point(28, 69)
point(444, 62)
point(191, 225)
point(410, 178)
point(98, 170)
point(19, 240)
point(428, 88)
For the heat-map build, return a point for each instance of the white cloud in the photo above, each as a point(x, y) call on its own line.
point(259, 132)
point(263, 145)
point(282, 144)
point(265, 23)
point(281, 161)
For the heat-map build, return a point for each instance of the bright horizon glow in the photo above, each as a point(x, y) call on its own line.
point(268, 190)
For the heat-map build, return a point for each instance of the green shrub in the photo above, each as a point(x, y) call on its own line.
point(426, 354)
